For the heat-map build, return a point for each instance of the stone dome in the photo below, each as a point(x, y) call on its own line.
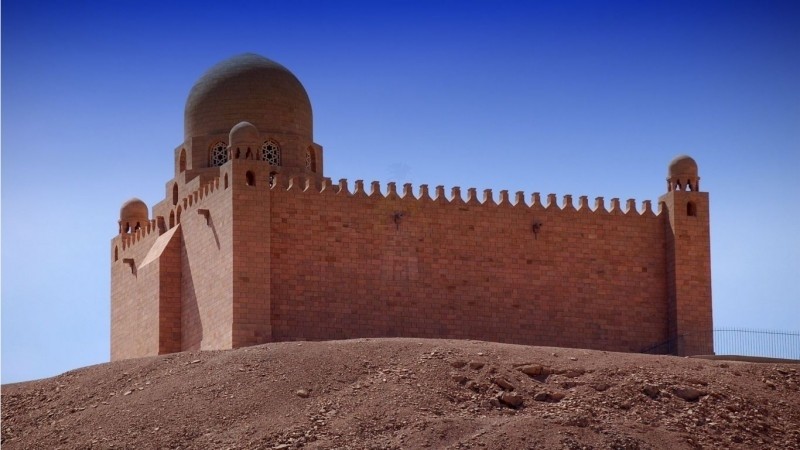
point(243, 132)
point(249, 88)
point(683, 166)
point(133, 210)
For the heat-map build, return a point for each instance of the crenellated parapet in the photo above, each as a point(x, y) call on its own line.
point(486, 199)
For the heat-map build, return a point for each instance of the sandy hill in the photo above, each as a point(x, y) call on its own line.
point(408, 393)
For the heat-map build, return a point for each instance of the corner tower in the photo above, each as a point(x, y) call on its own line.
point(688, 251)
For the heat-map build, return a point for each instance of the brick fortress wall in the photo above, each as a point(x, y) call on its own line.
point(304, 259)
point(364, 264)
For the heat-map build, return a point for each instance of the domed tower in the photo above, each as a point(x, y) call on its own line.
point(686, 217)
point(133, 215)
point(258, 102)
point(683, 175)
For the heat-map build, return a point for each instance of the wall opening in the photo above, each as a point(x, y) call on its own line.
point(272, 178)
point(218, 154)
point(182, 161)
point(271, 153)
point(226, 181)
point(311, 160)
point(691, 209)
point(171, 219)
point(178, 215)
point(116, 253)
point(250, 179)
point(175, 194)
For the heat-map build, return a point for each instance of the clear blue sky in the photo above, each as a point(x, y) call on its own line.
point(581, 98)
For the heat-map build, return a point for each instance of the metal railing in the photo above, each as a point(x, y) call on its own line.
point(735, 341)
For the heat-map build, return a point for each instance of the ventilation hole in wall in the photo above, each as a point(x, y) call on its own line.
point(116, 253)
point(249, 154)
point(138, 225)
point(226, 181)
point(691, 209)
point(175, 194)
point(238, 153)
point(272, 178)
point(689, 186)
point(250, 178)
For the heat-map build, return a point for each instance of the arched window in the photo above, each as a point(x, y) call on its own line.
point(171, 219)
point(175, 194)
point(178, 215)
point(691, 209)
point(182, 161)
point(219, 154)
point(251, 179)
point(271, 153)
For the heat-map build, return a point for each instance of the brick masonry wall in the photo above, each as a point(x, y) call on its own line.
point(207, 272)
point(341, 267)
point(251, 256)
point(135, 301)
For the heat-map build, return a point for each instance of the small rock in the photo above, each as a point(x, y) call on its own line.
point(473, 386)
point(531, 370)
point(195, 361)
point(600, 387)
point(128, 393)
point(476, 365)
point(458, 363)
point(651, 391)
point(511, 399)
point(504, 384)
point(574, 373)
point(572, 358)
point(552, 397)
point(460, 379)
point(302, 393)
point(689, 394)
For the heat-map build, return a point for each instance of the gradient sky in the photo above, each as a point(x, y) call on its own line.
point(581, 98)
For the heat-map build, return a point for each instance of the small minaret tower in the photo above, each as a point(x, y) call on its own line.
point(133, 215)
point(688, 259)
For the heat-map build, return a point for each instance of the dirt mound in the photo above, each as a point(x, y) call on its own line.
point(408, 393)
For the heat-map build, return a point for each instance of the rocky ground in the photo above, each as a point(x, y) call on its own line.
point(408, 393)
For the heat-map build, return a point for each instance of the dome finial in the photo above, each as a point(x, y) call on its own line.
point(682, 174)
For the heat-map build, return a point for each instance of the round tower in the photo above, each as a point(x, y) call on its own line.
point(682, 174)
point(133, 215)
